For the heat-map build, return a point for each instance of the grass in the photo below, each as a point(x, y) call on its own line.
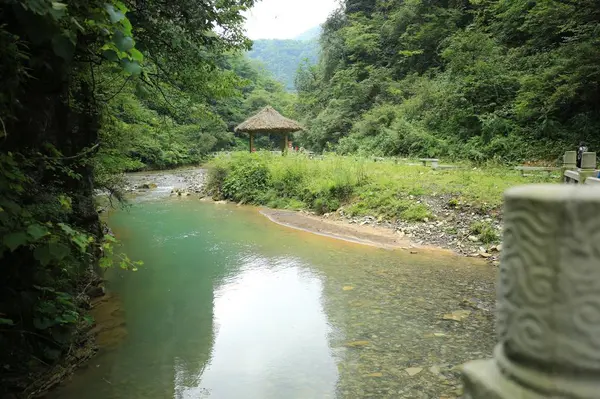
point(485, 231)
point(361, 186)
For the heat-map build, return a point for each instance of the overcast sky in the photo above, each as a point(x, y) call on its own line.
point(286, 19)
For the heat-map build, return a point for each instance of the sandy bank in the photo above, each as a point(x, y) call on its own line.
point(368, 235)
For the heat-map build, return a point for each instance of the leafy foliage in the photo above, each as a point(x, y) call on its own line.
point(359, 185)
point(90, 89)
point(505, 80)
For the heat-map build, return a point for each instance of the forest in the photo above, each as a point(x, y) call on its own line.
point(508, 80)
point(93, 89)
point(90, 90)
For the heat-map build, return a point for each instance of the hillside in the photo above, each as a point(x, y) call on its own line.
point(311, 34)
point(282, 57)
point(503, 80)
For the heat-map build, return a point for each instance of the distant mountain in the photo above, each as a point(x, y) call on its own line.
point(310, 34)
point(282, 57)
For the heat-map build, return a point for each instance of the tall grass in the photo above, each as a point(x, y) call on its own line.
point(364, 187)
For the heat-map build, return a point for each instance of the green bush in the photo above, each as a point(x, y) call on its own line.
point(485, 231)
point(246, 182)
point(214, 181)
point(416, 213)
point(362, 186)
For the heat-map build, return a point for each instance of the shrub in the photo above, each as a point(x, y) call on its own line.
point(246, 182)
point(485, 230)
point(416, 213)
point(214, 181)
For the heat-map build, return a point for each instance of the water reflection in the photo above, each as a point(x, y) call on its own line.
point(229, 305)
point(271, 336)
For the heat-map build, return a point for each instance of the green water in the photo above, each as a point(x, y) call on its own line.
point(230, 305)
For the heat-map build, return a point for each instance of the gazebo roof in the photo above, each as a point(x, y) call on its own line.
point(268, 121)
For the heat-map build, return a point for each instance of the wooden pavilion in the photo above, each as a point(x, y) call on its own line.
point(269, 121)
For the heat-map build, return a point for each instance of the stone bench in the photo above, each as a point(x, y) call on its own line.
point(548, 169)
point(572, 177)
point(592, 181)
point(434, 162)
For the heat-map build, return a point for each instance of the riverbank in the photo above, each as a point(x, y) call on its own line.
point(459, 209)
point(461, 221)
point(102, 330)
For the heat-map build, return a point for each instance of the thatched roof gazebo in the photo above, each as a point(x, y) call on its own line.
point(269, 121)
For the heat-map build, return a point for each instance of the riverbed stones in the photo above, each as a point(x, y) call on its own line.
point(548, 299)
point(412, 371)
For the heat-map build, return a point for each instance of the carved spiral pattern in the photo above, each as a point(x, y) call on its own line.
point(549, 285)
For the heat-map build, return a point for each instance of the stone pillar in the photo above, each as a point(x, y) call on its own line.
point(569, 163)
point(588, 166)
point(570, 160)
point(548, 316)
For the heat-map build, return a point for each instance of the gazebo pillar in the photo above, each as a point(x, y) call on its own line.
point(251, 142)
point(284, 144)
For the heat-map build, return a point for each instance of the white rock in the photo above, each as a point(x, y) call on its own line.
point(412, 371)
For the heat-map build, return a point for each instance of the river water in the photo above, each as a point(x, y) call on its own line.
point(231, 305)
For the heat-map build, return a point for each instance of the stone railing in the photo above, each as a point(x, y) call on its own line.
point(592, 181)
point(574, 175)
point(548, 319)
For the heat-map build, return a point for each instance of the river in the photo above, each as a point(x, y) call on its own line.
point(231, 305)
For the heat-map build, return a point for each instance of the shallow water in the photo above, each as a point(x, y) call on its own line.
point(230, 305)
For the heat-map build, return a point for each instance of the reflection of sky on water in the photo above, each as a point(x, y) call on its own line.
point(266, 348)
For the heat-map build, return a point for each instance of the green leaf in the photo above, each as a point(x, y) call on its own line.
point(63, 47)
point(58, 10)
point(41, 323)
point(67, 229)
point(37, 231)
point(15, 240)
point(123, 43)
point(82, 241)
point(6, 322)
point(42, 254)
point(110, 55)
point(114, 15)
point(106, 263)
point(58, 251)
point(53, 251)
point(131, 67)
point(136, 55)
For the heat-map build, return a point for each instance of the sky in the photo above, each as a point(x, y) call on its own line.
point(286, 19)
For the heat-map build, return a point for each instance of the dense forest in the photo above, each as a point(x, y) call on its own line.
point(488, 79)
point(90, 90)
point(282, 57)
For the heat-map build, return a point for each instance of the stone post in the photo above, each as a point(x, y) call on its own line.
point(570, 160)
point(569, 163)
point(548, 311)
point(588, 166)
